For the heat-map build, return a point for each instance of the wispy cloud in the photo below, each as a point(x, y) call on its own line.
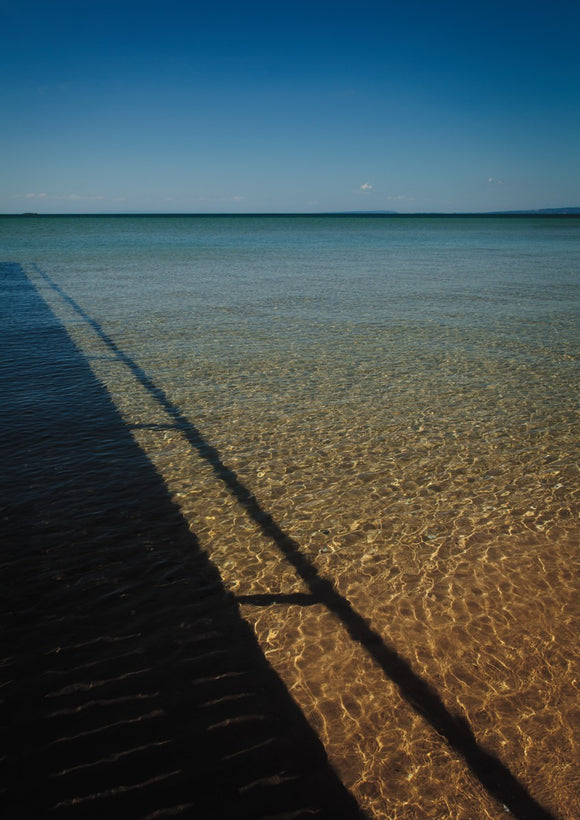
point(366, 186)
point(58, 197)
point(493, 181)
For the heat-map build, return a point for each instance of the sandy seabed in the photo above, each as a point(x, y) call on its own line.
point(302, 617)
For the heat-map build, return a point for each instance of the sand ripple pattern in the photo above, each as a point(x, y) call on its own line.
point(410, 578)
point(365, 432)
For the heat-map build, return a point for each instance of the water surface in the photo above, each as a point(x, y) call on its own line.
point(399, 395)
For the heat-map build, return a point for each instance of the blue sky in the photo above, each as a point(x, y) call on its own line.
point(171, 106)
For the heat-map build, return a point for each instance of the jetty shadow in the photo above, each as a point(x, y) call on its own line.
point(132, 687)
point(454, 729)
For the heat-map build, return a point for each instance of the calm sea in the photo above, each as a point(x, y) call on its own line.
point(399, 396)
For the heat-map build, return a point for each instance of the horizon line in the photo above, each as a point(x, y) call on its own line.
point(563, 211)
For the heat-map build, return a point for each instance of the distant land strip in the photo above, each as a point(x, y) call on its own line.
point(571, 211)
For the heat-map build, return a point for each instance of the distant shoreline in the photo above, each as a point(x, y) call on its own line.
point(548, 212)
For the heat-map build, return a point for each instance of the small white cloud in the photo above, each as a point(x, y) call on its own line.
point(238, 198)
point(366, 186)
point(493, 181)
point(35, 196)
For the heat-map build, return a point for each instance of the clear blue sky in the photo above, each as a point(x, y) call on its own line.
point(308, 105)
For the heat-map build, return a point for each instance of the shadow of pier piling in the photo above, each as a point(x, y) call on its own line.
point(131, 685)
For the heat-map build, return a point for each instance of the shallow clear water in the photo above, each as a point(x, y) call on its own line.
point(400, 396)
